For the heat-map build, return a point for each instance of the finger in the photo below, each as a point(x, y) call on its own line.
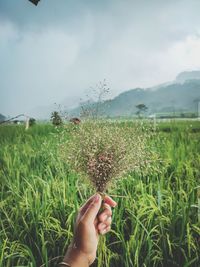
point(96, 222)
point(104, 224)
point(86, 205)
point(107, 212)
point(104, 231)
point(110, 201)
point(92, 210)
point(101, 226)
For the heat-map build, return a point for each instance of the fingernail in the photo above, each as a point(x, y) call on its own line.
point(96, 198)
point(105, 217)
point(102, 226)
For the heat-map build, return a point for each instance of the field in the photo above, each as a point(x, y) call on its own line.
point(156, 222)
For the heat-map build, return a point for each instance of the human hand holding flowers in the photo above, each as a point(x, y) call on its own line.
point(89, 225)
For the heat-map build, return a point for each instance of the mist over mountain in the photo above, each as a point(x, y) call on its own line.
point(188, 75)
point(180, 96)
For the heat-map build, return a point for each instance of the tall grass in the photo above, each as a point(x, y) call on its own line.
point(155, 222)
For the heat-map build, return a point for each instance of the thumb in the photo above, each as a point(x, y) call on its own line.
point(93, 209)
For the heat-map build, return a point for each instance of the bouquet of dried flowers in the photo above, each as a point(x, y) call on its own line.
point(103, 151)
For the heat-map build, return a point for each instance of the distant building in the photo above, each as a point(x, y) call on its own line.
point(75, 120)
point(2, 117)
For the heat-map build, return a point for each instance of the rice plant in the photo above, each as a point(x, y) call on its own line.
point(156, 221)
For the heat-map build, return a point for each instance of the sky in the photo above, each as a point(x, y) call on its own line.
point(57, 51)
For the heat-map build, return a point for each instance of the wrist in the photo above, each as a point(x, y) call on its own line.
point(76, 258)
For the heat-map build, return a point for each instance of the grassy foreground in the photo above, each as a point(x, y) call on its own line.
point(156, 221)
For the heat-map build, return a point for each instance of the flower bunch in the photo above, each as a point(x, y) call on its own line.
point(103, 151)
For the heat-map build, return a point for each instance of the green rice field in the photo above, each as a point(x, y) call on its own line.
point(156, 221)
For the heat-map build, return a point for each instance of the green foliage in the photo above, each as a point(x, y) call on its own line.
point(141, 109)
point(56, 118)
point(155, 222)
point(32, 122)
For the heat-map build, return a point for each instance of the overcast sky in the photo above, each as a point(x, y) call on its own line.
point(56, 51)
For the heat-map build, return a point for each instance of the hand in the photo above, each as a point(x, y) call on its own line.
point(89, 225)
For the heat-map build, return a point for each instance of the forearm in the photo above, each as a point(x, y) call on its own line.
point(75, 258)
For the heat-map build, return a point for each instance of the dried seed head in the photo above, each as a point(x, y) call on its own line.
point(103, 151)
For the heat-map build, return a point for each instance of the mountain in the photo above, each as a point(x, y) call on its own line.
point(188, 75)
point(180, 96)
point(174, 97)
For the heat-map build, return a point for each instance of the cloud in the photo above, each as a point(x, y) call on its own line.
point(187, 52)
point(38, 69)
point(57, 50)
point(180, 56)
